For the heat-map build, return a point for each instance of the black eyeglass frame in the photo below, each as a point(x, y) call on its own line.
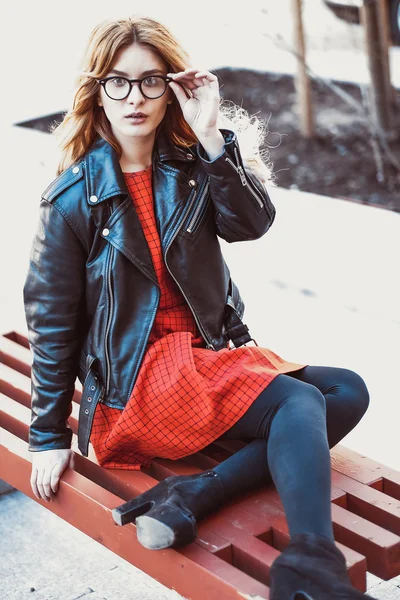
point(131, 82)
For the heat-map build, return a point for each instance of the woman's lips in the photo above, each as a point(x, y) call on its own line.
point(136, 120)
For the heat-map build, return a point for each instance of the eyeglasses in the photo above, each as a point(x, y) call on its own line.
point(118, 88)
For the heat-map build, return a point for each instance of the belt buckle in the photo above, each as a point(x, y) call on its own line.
point(249, 343)
point(232, 346)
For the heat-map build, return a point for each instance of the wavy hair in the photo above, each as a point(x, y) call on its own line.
point(86, 120)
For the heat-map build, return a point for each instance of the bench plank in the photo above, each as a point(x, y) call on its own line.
point(79, 497)
point(236, 545)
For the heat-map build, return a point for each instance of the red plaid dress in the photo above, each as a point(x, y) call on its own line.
point(185, 396)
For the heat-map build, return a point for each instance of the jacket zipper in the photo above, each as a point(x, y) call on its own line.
point(108, 326)
point(190, 228)
point(209, 344)
point(245, 182)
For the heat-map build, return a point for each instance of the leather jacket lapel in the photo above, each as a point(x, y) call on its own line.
point(171, 186)
point(126, 235)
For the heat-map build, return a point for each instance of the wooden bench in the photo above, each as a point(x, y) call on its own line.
point(236, 546)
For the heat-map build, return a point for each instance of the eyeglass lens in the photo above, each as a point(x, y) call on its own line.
point(152, 87)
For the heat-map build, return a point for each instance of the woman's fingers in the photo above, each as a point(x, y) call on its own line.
point(191, 73)
point(206, 75)
point(193, 78)
point(46, 486)
point(34, 483)
point(71, 462)
point(47, 469)
point(183, 80)
point(47, 483)
point(55, 477)
point(40, 482)
point(179, 93)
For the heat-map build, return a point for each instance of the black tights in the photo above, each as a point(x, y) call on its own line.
point(292, 424)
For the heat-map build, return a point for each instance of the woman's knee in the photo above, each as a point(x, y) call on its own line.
point(306, 399)
point(355, 391)
point(288, 398)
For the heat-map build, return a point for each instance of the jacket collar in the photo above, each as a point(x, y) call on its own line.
point(104, 175)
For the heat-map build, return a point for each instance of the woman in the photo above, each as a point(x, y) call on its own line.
point(127, 288)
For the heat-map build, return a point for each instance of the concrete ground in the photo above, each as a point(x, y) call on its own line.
point(45, 558)
point(321, 287)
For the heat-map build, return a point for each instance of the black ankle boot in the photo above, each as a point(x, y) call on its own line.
point(313, 565)
point(166, 515)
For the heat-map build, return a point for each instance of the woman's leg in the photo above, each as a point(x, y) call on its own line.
point(291, 416)
point(289, 420)
point(346, 398)
point(298, 460)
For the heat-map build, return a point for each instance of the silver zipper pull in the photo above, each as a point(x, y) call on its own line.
point(242, 176)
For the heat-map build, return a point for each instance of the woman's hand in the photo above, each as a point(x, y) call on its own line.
point(47, 469)
point(201, 109)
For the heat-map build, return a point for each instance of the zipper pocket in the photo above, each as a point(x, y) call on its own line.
point(245, 181)
point(202, 331)
point(198, 212)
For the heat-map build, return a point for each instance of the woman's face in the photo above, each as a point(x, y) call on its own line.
point(135, 62)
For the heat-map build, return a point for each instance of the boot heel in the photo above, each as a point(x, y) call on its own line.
point(164, 526)
point(128, 512)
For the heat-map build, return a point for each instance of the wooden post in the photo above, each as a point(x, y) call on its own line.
point(383, 9)
point(379, 98)
point(302, 80)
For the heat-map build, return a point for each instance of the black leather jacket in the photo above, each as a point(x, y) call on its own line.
point(91, 293)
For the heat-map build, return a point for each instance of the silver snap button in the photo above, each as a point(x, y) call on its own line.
point(86, 411)
point(75, 170)
point(192, 183)
point(93, 198)
point(92, 387)
point(89, 399)
point(106, 232)
point(189, 156)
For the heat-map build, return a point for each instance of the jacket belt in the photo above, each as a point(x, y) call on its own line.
point(235, 329)
point(92, 394)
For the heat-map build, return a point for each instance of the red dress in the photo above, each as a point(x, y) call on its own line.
point(185, 396)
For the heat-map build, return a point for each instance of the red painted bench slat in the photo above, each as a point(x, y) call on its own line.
point(237, 544)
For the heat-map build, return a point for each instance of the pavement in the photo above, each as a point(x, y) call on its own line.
point(45, 558)
point(321, 287)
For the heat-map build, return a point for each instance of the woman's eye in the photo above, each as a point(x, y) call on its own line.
point(118, 81)
point(151, 80)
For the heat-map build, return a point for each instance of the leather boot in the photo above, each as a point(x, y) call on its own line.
point(313, 565)
point(166, 515)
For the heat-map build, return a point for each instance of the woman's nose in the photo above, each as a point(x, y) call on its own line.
point(136, 95)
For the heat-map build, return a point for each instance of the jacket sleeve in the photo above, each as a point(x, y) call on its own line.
point(244, 210)
point(53, 299)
